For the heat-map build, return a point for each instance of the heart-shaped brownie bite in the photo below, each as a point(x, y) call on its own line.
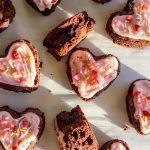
point(45, 7)
point(131, 27)
point(20, 131)
point(7, 13)
point(115, 144)
point(138, 105)
point(20, 69)
point(89, 75)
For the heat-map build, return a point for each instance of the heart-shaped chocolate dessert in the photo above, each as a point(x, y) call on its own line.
point(115, 144)
point(20, 69)
point(7, 13)
point(89, 75)
point(138, 105)
point(20, 131)
point(45, 7)
point(131, 27)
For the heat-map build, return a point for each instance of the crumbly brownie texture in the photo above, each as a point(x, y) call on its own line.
point(7, 13)
point(123, 40)
point(102, 1)
point(13, 121)
point(68, 34)
point(138, 105)
point(107, 146)
point(74, 132)
point(46, 11)
point(93, 79)
point(13, 87)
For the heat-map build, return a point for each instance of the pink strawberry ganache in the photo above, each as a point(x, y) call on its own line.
point(91, 76)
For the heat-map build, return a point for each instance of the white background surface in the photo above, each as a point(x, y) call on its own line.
point(107, 113)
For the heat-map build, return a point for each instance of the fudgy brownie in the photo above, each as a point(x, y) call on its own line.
point(45, 7)
point(20, 69)
point(7, 13)
point(138, 105)
point(102, 1)
point(20, 131)
point(115, 145)
point(88, 74)
point(74, 132)
point(68, 34)
point(130, 27)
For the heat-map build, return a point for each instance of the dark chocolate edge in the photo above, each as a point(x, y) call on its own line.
point(108, 144)
point(16, 115)
point(47, 11)
point(131, 108)
point(95, 58)
point(102, 2)
point(11, 19)
point(37, 64)
point(124, 41)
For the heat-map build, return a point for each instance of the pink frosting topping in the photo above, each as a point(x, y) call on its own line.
point(141, 96)
point(18, 67)
point(91, 76)
point(17, 134)
point(135, 26)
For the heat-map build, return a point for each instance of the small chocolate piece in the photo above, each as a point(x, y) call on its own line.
point(138, 105)
point(89, 75)
point(102, 1)
point(45, 7)
point(115, 145)
point(74, 132)
point(130, 27)
point(20, 69)
point(68, 34)
point(20, 131)
point(7, 13)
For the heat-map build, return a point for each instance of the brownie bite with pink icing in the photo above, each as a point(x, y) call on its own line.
point(89, 75)
point(7, 13)
point(20, 68)
point(115, 145)
point(138, 105)
point(45, 7)
point(131, 27)
point(74, 132)
point(20, 131)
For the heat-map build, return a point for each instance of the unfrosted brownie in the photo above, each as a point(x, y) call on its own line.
point(68, 34)
point(74, 132)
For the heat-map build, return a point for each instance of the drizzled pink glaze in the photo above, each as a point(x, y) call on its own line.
point(17, 134)
point(18, 67)
point(135, 26)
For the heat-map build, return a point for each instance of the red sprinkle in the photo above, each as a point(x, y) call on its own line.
point(25, 122)
point(146, 113)
point(136, 94)
point(129, 18)
point(15, 54)
point(145, 7)
point(14, 147)
point(23, 79)
point(137, 28)
point(148, 98)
